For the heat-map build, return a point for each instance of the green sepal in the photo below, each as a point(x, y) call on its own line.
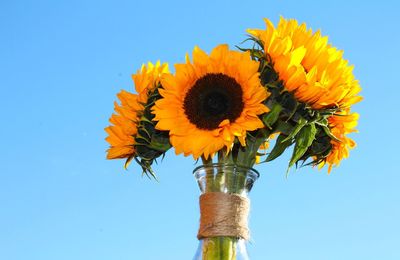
point(162, 147)
point(146, 168)
point(144, 119)
point(128, 161)
point(253, 52)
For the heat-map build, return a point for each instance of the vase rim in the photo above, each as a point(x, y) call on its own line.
point(254, 174)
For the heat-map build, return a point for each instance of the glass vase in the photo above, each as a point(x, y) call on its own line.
point(221, 184)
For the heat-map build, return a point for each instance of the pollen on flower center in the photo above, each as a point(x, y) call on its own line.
point(212, 99)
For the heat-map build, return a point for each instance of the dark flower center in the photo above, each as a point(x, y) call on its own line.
point(213, 98)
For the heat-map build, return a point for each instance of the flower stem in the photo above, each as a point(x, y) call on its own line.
point(219, 248)
point(209, 174)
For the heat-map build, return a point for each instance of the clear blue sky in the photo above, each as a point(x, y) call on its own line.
point(61, 65)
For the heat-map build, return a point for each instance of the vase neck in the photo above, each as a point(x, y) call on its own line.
point(225, 178)
point(224, 208)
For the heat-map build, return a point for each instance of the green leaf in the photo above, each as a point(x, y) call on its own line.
point(283, 127)
point(279, 148)
point(303, 140)
point(272, 116)
point(299, 126)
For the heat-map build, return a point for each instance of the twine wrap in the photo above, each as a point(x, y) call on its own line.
point(223, 214)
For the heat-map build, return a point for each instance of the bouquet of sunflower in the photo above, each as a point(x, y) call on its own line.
point(225, 107)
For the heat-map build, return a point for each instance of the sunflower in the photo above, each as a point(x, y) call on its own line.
point(340, 126)
point(124, 123)
point(210, 101)
point(310, 68)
